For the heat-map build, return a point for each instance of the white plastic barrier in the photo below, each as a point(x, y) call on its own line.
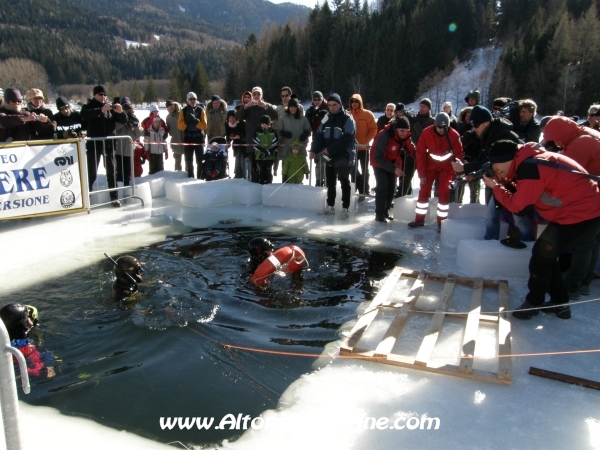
point(455, 230)
point(492, 259)
point(207, 194)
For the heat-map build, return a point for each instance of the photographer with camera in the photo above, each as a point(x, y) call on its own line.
point(15, 122)
point(44, 127)
point(69, 124)
point(491, 129)
point(592, 118)
point(100, 119)
point(438, 147)
point(556, 186)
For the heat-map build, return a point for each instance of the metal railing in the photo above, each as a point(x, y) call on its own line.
point(119, 167)
point(9, 400)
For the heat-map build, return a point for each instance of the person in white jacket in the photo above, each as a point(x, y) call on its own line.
point(155, 143)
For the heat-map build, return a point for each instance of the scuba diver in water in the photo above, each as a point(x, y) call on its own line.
point(128, 271)
point(21, 322)
point(265, 262)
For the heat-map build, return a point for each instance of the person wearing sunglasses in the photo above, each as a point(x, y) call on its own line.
point(44, 128)
point(286, 95)
point(314, 114)
point(101, 118)
point(68, 122)
point(15, 122)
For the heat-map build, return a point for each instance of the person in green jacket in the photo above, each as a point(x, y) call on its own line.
point(294, 165)
point(265, 146)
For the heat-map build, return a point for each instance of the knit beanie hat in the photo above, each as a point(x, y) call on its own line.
point(61, 101)
point(230, 113)
point(442, 120)
point(501, 102)
point(480, 114)
point(257, 89)
point(400, 107)
point(125, 100)
point(215, 97)
point(334, 98)
point(502, 151)
point(426, 102)
point(191, 95)
point(293, 102)
point(317, 95)
point(12, 95)
point(296, 144)
point(265, 119)
point(402, 123)
point(153, 108)
point(99, 90)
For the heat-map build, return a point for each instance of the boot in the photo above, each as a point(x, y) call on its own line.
point(528, 313)
point(380, 218)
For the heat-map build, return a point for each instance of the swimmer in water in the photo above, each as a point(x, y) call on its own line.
point(266, 262)
point(128, 271)
point(21, 322)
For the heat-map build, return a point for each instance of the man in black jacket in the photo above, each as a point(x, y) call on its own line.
point(68, 123)
point(492, 129)
point(335, 139)
point(314, 114)
point(100, 119)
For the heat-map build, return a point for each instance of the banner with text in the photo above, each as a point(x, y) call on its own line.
point(41, 178)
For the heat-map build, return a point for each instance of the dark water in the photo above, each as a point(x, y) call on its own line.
point(166, 357)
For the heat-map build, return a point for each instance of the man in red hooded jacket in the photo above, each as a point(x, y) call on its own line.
point(569, 201)
point(438, 146)
point(581, 144)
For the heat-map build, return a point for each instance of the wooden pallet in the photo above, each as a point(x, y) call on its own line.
point(383, 301)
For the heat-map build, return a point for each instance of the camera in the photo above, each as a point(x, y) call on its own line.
point(325, 158)
point(486, 170)
point(254, 102)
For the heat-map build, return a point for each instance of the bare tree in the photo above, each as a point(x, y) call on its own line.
point(357, 81)
point(23, 74)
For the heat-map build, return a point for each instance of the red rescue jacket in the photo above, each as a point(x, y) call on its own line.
point(433, 151)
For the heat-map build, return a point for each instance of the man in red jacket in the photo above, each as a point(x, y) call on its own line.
point(582, 144)
point(438, 146)
point(569, 201)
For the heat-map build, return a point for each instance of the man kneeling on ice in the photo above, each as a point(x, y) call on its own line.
point(560, 191)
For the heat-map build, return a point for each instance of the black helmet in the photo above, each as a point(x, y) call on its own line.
point(131, 266)
point(16, 318)
point(258, 248)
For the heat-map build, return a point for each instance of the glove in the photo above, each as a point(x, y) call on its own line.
point(304, 136)
point(263, 153)
point(285, 134)
point(191, 119)
point(322, 113)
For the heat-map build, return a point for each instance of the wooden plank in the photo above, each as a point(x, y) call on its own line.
point(463, 316)
point(435, 325)
point(467, 350)
point(564, 378)
point(389, 339)
point(367, 317)
point(458, 280)
point(504, 334)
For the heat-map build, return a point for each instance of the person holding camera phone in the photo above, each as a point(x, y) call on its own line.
point(100, 119)
point(44, 127)
point(251, 112)
point(15, 122)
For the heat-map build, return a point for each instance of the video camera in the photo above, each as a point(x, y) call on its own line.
point(510, 112)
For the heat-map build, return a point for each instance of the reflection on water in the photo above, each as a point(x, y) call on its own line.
point(170, 355)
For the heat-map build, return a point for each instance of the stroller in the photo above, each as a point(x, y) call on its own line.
point(215, 159)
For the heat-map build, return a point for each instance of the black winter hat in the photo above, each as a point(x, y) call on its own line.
point(99, 90)
point(317, 95)
point(12, 95)
point(334, 98)
point(215, 97)
point(502, 102)
point(442, 120)
point(480, 114)
point(473, 94)
point(402, 123)
point(293, 102)
point(61, 101)
point(400, 107)
point(265, 119)
point(426, 102)
point(502, 151)
point(230, 113)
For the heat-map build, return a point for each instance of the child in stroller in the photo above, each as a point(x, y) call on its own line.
point(215, 159)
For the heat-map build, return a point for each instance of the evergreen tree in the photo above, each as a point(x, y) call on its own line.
point(230, 84)
point(136, 94)
point(112, 91)
point(122, 89)
point(150, 96)
point(200, 83)
point(174, 89)
point(184, 81)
